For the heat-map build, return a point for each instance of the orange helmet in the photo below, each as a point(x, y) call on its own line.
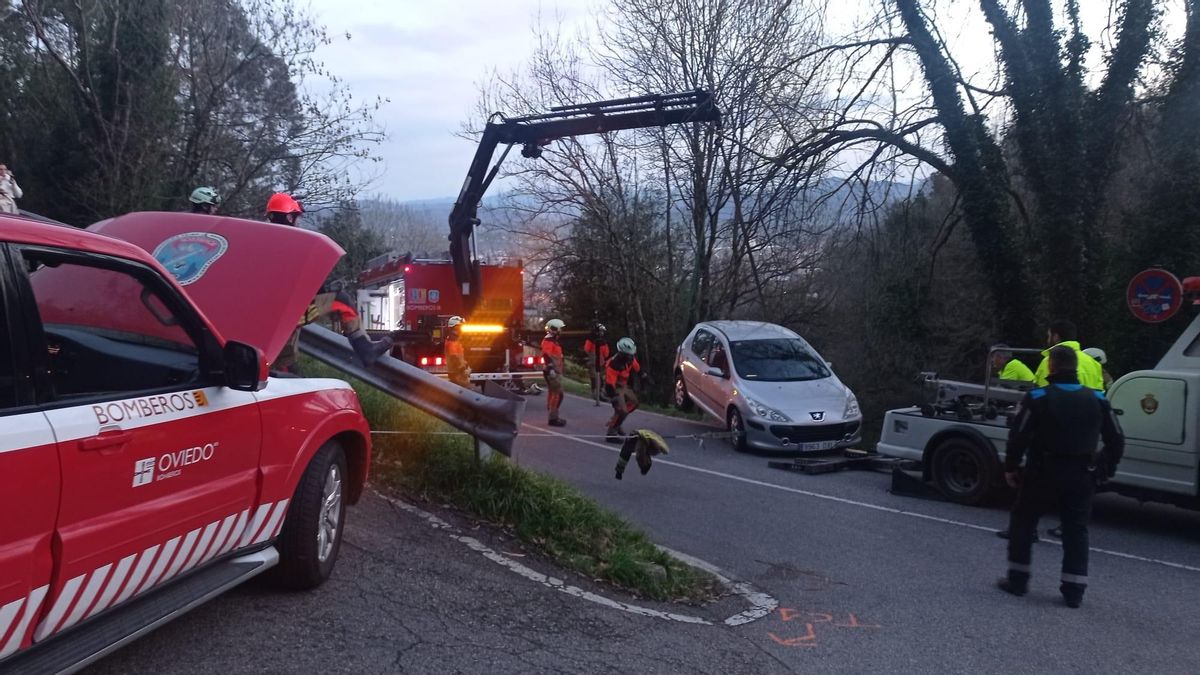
point(283, 203)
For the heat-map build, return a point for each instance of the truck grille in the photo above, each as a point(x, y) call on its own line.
point(814, 433)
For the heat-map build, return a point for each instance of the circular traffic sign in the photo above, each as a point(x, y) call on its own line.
point(1154, 295)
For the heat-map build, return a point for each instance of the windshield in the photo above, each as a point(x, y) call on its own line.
point(780, 360)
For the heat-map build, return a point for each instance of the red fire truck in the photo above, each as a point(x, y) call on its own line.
point(411, 299)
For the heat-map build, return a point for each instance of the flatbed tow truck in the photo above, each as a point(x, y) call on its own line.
point(959, 434)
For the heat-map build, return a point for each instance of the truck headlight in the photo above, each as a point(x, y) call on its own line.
point(764, 412)
point(851, 407)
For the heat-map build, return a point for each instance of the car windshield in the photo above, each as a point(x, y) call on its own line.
point(780, 360)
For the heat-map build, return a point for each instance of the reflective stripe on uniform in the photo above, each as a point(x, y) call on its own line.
point(1080, 579)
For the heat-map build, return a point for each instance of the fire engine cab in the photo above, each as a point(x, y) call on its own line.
point(148, 461)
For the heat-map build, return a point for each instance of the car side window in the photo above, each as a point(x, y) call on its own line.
point(701, 344)
point(107, 330)
point(718, 358)
point(8, 370)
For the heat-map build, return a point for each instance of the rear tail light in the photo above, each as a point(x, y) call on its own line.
point(529, 360)
point(437, 361)
point(424, 360)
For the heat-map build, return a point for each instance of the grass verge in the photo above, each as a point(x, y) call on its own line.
point(545, 513)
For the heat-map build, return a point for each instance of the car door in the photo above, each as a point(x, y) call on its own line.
point(159, 463)
point(693, 366)
point(29, 486)
point(717, 388)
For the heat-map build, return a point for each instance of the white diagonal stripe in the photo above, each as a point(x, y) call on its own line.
point(276, 518)
point(7, 614)
point(255, 523)
point(275, 530)
point(184, 550)
point(218, 541)
point(95, 584)
point(235, 534)
point(201, 546)
point(18, 634)
point(114, 584)
point(160, 566)
point(47, 626)
point(139, 573)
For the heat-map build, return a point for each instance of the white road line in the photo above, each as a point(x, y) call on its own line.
point(560, 585)
point(761, 603)
point(853, 502)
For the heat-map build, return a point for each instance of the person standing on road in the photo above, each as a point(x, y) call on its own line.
point(553, 372)
point(1102, 359)
point(1063, 333)
point(617, 373)
point(1056, 432)
point(283, 209)
point(10, 192)
point(596, 348)
point(456, 356)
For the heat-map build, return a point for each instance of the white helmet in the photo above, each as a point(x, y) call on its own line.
point(1097, 353)
point(626, 346)
point(555, 325)
point(454, 321)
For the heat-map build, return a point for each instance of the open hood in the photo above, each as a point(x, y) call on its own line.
point(252, 280)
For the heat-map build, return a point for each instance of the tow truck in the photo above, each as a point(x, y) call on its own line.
point(960, 431)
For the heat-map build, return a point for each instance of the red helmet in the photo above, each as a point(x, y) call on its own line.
point(283, 203)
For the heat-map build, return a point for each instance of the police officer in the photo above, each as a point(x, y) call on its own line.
point(1057, 431)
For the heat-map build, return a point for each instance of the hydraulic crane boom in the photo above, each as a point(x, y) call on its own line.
point(533, 132)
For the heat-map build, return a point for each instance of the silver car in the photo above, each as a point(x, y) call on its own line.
point(768, 384)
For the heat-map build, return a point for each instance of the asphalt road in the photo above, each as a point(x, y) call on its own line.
point(865, 581)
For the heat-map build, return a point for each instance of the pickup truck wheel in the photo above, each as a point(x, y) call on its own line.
point(963, 471)
point(312, 533)
point(682, 400)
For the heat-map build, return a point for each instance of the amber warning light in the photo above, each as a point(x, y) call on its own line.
point(491, 328)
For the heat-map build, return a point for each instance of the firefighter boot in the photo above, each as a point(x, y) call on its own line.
point(557, 422)
point(614, 435)
point(367, 351)
point(1016, 583)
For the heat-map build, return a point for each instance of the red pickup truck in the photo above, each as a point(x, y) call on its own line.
point(147, 460)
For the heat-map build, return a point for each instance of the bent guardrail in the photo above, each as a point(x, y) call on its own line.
point(492, 420)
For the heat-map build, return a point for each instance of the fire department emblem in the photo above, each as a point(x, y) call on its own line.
point(1149, 404)
point(818, 415)
point(188, 256)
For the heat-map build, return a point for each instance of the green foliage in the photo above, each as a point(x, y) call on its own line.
point(345, 226)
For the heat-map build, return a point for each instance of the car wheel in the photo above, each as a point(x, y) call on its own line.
point(311, 536)
point(735, 424)
point(963, 471)
point(682, 400)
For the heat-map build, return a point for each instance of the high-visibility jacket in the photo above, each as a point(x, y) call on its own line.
point(1016, 371)
point(1090, 374)
point(618, 370)
point(597, 351)
point(553, 352)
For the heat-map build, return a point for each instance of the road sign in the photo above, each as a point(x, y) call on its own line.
point(1154, 295)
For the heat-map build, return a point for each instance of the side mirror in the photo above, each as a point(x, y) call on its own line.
point(245, 367)
point(716, 372)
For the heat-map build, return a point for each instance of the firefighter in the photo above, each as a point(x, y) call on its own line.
point(596, 347)
point(1064, 333)
point(617, 372)
point(644, 444)
point(283, 209)
point(1057, 432)
point(1008, 368)
point(456, 358)
point(553, 372)
point(205, 200)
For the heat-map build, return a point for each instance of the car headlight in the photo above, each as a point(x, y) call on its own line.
point(764, 412)
point(851, 407)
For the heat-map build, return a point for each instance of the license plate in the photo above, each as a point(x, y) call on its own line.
point(821, 445)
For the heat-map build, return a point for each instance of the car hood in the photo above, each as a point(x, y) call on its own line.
point(252, 280)
point(800, 400)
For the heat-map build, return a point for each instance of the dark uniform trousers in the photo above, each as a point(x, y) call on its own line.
point(1064, 485)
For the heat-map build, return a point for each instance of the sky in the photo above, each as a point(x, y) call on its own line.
point(429, 58)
